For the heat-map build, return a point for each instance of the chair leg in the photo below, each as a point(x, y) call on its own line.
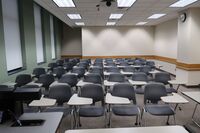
point(76, 89)
point(142, 117)
point(167, 123)
point(110, 117)
point(79, 121)
point(105, 119)
point(174, 119)
point(139, 117)
point(136, 123)
point(71, 122)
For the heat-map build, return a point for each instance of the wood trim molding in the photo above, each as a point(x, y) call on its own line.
point(165, 59)
point(180, 65)
point(121, 56)
point(188, 67)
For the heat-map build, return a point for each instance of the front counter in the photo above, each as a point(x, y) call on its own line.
point(50, 125)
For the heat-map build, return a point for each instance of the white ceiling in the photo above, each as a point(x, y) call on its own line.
point(140, 11)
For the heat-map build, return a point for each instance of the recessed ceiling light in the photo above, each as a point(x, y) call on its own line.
point(125, 3)
point(183, 3)
point(64, 3)
point(80, 23)
point(156, 16)
point(115, 16)
point(110, 23)
point(141, 23)
point(74, 16)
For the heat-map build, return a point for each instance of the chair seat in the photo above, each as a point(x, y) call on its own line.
point(91, 111)
point(126, 110)
point(64, 110)
point(30, 109)
point(171, 90)
point(139, 90)
point(45, 93)
point(159, 110)
point(150, 78)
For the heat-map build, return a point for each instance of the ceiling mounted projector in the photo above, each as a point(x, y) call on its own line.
point(108, 2)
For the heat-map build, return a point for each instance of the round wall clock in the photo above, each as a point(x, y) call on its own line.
point(183, 17)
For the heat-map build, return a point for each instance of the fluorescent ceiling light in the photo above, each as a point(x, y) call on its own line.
point(125, 3)
point(115, 16)
point(156, 16)
point(111, 23)
point(80, 23)
point(183, 3)
point(64, 3)
point(74, 16)
point(141, 23)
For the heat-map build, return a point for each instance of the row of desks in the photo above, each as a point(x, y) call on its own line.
point(75, 100)
point(157, 129)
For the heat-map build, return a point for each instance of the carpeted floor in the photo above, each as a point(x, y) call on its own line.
point(183, 117)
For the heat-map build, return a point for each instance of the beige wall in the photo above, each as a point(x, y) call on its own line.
point(188, 46)
point(117, 41)
point(166, 39)
point(166, 42)
point(189, 38)
point(72, 44)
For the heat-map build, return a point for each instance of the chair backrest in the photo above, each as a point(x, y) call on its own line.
point(97, 70)
point(150, 63)
point(98, 64)
point(119, 59)
point(70, 79)
point(93, 91)
point(113, 69)
point(22, 79)
point(30, 86)
point(68, 66)
point(153, 92)
point(60, 62)
point(79, 70)
point(83, 64)
point(109, 59)
point(128, 59)
point(93, 78)
point(86, 62)
point(140, 76)
point(116, 77)
point(46, 80)
point(98, 61)
point(110, 64)
point(59, 71)
point(52, 65)
point(145, 69)
point(66, 60)
point(162, 77)
point(137, 62)
point(129, 69)
point(73, 61)
point(38, 71)
point(124, 90)
point(62, 93)
point(124, 64)
point(3, 87)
